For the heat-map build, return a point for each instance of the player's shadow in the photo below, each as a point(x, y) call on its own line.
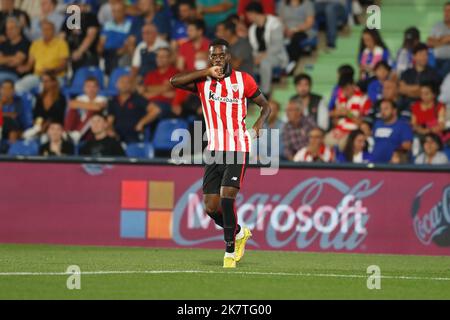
point(215, 263)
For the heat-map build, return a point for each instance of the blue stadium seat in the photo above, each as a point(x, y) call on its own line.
point(140, 150)
point(24, 148)
point(26, 118)
point(162, 137)
point(80, 77)
point(115, 76)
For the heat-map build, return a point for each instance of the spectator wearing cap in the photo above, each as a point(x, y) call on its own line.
point(239, 48)
point(316, 150)
point(101, 145)
point(7, 11)
point(83, 41)
point(428, 115)
point(144, 58)
point(266, 38)
point(390, 134)
point(295, 131)
point(56, 145)
point(49, 13)
point(432, 151)
point(313, 105)
point(197, 42)
point(116, 43)
point(421, 72)
point(439, 40)
point(129, 112)
point(50, 54)
point(13, 51)
point(404, 60)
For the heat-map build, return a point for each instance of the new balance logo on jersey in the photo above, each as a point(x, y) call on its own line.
point(212, 96)
point(234, 179)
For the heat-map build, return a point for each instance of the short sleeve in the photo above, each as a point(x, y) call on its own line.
point(407, 133)
point(64, 47)
point(250, 86)
point(309, 8)
point(136, 62)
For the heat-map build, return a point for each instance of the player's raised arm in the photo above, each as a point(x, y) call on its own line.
point(261, 101)
point(186, 80)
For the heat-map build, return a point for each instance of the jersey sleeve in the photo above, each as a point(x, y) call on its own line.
point(250, 86)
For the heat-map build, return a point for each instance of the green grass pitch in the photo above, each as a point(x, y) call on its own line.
point(198, 274)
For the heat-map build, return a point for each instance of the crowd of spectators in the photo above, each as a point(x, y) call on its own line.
point(391, 110)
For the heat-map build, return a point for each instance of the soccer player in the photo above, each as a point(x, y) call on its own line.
point(223, 93)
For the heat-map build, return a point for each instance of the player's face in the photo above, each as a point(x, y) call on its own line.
point(218, 56)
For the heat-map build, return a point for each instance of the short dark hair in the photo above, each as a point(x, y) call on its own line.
point(303, 76)
point(383, 64)
point(346, 81)
point(255, 7)
point(198, 23)
point(92, 79)
point(432, 86)
point(189, 3)
point(219, 42)
point(391, 102)
point(434, 137)
point(345, 70)
point(420, 47)
point(229, 26)
point(8, 81)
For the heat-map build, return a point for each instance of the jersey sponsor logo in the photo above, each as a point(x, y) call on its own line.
point(212, 96)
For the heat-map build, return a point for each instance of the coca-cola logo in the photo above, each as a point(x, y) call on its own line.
point(432, 225)
point(302, 217)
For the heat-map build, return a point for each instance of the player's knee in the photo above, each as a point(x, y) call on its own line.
point(211, 205)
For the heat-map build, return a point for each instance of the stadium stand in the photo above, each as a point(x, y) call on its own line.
point(107, 39)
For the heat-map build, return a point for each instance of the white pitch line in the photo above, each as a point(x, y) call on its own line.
point(231, 272)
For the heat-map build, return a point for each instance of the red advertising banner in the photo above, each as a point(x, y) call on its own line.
point(359, 211)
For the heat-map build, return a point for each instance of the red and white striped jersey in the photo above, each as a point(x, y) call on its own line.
point(358, 105)
point(224, 106)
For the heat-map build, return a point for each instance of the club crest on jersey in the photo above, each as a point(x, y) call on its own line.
point(212, 96)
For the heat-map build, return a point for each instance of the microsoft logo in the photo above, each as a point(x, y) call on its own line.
point(147, 208)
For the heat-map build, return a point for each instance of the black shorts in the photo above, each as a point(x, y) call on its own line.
point(227, 170)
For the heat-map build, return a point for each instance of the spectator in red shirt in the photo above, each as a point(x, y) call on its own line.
point(349, 109)
point(197, 42)
point(428, 115)
point(156, 86)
